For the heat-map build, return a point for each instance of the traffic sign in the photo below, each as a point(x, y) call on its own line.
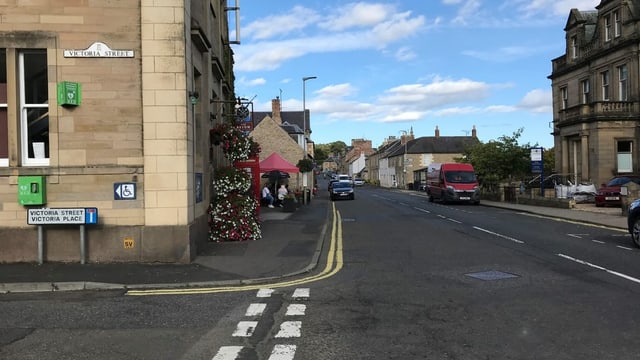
point(62, 216)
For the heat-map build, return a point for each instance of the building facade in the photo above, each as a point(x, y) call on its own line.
point(596, 93)
point(110, 104)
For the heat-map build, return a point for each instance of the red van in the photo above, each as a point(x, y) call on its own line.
point(452, 182)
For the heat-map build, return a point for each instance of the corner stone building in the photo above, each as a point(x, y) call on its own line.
point(144, 81)
point(596, 93)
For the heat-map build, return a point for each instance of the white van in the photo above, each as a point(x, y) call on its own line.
point(345, 178)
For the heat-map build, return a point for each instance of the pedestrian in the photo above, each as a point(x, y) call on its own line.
point(282, 192)
point(266, 195)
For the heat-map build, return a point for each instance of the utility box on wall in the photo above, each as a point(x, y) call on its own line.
point(69, 93)
point(32, 190)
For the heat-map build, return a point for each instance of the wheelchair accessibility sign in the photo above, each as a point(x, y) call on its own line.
point(124, 191)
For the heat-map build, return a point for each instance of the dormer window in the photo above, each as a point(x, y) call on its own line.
point(617, 26)
point(607, 28)
point(564, 92)
point(574, 47)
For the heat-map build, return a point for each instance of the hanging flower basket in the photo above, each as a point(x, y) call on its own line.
point(229, 179)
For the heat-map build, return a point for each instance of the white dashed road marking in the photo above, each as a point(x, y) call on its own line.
point(296, 309)
point(228, 353)
point(301, 293)
point(289, 329)
point(283, 352)
point(245, 328)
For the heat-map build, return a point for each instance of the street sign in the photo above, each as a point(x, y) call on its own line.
point(62, 216)
point(124, 191)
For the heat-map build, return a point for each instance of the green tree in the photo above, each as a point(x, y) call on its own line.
point(338, 148)
point(500, 160)
point(320, 154)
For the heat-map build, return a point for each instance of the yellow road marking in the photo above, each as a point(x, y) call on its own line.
point(335, 261)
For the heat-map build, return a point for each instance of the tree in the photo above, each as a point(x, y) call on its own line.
point(499, 160)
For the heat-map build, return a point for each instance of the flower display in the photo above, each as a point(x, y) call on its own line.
point(232, 218)
point(228, 179)
point(233, 212)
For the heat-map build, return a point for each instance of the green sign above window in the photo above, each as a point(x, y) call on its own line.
point(69, 93)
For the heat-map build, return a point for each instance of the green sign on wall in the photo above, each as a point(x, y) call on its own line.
point(69, 93)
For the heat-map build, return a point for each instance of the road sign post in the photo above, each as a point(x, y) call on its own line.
point(62, 216)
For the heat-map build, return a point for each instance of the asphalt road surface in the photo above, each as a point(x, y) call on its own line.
point(416, 280)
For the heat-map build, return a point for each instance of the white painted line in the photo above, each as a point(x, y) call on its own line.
point(624, 247)
point(255, 309)
point(598, 241)
point(296, 309)
point(301, 293)
point(442, 216)
point(245, 328)
point(283, 352)
point(624, 276)
point(579, 236)
point(262, 293)
point(423, 210)
point(228, 353)
point(500, 235)
point(403, 204)
point(455, 221)
point(289, 329)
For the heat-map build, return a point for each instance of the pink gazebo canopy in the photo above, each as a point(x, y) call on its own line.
point(277, 162)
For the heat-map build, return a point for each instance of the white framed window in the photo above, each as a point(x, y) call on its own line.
point(574, 47)
point(624, 151)
point(564, 94)
point(4, 124)
point(586, 89)
point(623, 84)
point(604, 76)
point(607, 28)
point(34, 107)
point(617, 24)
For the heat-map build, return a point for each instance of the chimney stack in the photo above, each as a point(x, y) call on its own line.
point(275, 110)
point(473, 132)
point(437, 132)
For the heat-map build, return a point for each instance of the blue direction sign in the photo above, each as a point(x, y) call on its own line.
point(124, 191)
point(91, 215)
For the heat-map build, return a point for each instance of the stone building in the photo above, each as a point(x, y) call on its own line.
point(596, 93)
point(109, 105)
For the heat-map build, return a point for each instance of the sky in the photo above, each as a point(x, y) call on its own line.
point(383, 68)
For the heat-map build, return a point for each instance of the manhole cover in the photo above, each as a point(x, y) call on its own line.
point(491, 275)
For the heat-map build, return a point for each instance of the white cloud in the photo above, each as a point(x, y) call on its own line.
point(404, 54)
point(504, 54)
point(406, 116)
point(537, 101)
point(556, 7)
point(356, 15)
point(439, 92)
point(336, 91)
point(275, 25)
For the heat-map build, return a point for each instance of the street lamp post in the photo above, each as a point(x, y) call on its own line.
point(304, 131)
point(405, 139)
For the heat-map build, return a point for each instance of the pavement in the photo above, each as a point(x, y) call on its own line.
point(290, 246)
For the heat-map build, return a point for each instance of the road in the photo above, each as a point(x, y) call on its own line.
point(418, 280)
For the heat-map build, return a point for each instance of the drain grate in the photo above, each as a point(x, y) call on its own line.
point(491, 275)
point(348, 219)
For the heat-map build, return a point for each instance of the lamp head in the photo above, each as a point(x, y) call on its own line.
point(309, 78)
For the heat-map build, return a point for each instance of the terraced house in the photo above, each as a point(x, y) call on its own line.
point(596, 93)
point(105, 108)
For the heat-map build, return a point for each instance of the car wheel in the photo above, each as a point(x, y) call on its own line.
point(635, 231)
point(353, 197)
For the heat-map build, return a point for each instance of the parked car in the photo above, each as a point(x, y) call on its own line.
point(342, 190)
point(633, 221)
point(358, 182)
point(345, 178)
point(331, 182)
point(609, 193)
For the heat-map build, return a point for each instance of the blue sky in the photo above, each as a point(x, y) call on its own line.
point(384, 67)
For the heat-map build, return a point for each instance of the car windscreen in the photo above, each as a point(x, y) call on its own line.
point(463, 177)
point(341, 185)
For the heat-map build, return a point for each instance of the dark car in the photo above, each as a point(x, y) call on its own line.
point(633, 221)
point(342, 190)
point(609, 193)
point(331, 182)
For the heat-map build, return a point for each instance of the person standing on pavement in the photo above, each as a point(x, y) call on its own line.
point(266, 195)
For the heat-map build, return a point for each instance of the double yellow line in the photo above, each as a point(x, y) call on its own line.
point(334, 264)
